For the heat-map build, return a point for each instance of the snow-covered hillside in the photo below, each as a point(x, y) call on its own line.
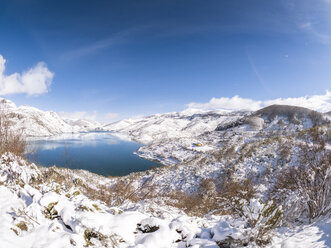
point(84, 125)
point(188, 124)
point(258, 146)
point(52, 207)
point(35, 122)
point(231, 179)
point(225, 143)
point(278, 117)
point(172, 125)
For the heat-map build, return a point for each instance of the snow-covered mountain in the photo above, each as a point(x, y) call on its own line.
point(178, 145)
point(222, 193)
point(84, 125)
point(35, 122)
point(172, 125)
point(188, 124)
point(219, 186)
point(278, 117)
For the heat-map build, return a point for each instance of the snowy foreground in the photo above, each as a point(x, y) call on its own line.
point(36, 214)
point(181, 204)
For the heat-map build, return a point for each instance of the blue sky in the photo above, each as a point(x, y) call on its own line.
point(109, 60)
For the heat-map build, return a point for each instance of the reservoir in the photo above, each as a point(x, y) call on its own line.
point(98, 152)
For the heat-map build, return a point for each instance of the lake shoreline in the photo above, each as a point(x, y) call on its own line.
point(98, 152)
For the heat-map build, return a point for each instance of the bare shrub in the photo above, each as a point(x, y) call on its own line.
point(236, 198)
point(10, 140)
point(53, 175)
point(199, 203)
point(122, 191)
point(310, 180)
point(207, 188)
point(262, 218)
point(285, 151)
point(119, 193)
point(316, 118)
point(210, 197)
point(328, 133)
point(233, 195)
point(191, 204)
point(227, 152)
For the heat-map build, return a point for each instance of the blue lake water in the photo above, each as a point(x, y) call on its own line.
point(98, 152)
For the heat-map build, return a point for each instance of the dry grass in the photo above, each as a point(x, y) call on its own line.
point(22, 225)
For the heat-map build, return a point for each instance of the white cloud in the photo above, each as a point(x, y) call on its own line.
point(81, 115)
point(234, 103)
point(321, 103)
point(35, 81)
point(306, 25)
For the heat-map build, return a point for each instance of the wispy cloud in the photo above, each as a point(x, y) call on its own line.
point(255, 71)
point(89, 49)
point(310, 29)
point(320, 103)
point(312, 19)
point(112, 40)
point(35, 81)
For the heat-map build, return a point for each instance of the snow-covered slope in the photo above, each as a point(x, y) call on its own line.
point(233, 129)
point(35, 122)
point(48, 207)
point(181, 204)
point(36, 213)
point(188, 124)
point(172, 125)
point(85, 125)
point(277, 117)
point(328, 115)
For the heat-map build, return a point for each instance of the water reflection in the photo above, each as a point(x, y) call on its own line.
point(99, 152)
point(70, 139)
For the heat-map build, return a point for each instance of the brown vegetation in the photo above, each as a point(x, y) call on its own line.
point(10, 140)
point(310, 179)
point(225, 197)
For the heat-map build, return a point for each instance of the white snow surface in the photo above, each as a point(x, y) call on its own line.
point(172, 125)
point(35, 122)
point(55, 215)
point(128, 226)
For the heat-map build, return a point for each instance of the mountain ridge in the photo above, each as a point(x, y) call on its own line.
point(35, 122)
